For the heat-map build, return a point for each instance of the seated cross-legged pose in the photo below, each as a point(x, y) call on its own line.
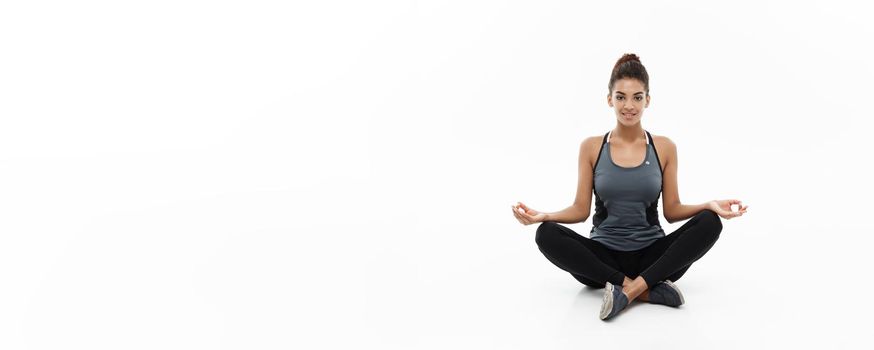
point(628, 169)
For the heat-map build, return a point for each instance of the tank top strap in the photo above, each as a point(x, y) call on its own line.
point(654, 151)
point(600, 151)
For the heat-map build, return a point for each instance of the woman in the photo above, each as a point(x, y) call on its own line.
point(627, 246)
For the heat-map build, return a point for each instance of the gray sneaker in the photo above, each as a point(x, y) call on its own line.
point(666, 293)
point(614, 301)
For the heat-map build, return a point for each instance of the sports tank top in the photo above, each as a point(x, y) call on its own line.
point(626, 200)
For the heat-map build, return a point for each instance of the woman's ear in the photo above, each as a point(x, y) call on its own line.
point(610, 100)
point(647, 101)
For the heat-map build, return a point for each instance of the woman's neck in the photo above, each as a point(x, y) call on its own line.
point(628, 134)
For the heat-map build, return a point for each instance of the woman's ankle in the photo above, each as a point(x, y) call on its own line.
point(644, 296)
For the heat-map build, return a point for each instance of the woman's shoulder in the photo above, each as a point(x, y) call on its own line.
point(662, 141)
point(664, 147)
point(590, 147)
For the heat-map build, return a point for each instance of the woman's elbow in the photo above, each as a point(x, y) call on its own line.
point(582, 212)
point(669, 213)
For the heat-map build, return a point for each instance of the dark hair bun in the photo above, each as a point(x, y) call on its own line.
point(625, 58)
point(629, 66)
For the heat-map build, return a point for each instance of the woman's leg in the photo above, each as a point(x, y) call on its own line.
point(588, 261)
point(584, 280)
point(670, 256)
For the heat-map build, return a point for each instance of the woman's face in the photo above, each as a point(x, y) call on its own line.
point(628, 100)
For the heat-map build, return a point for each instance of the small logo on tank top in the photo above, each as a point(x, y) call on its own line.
point(647, 162)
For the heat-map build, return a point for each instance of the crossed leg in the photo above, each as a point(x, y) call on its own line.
point(591, 263)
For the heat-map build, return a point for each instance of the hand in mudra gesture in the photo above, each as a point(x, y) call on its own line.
point(723, 208)
point(526, 215)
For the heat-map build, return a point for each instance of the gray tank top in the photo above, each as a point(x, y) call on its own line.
point(626, 200)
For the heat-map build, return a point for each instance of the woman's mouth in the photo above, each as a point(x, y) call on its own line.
point(629, 115)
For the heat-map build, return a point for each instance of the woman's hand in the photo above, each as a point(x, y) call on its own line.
point(723, 208)
point(526, 215)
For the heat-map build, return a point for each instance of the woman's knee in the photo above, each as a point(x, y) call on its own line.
point(711, 219)
point(545, 231)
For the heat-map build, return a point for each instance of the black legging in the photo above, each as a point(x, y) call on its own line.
point(593, 264)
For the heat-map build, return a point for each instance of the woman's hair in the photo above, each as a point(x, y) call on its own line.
point(629, 66)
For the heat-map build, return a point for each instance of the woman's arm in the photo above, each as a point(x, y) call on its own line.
point(582, 206)
point(569, 215)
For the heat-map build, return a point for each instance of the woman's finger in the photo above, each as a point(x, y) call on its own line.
point(527, 218)
point(518, 211)
point(525, 214)
point(518, 215)
point(531, 219)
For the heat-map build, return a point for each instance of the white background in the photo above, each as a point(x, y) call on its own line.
point(314, 175)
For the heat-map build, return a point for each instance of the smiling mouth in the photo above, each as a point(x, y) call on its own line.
point(629, 114)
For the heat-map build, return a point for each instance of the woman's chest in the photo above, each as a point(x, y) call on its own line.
point(644, 184)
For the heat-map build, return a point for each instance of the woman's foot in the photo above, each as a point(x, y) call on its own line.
point(614, 301)
point(666, 293)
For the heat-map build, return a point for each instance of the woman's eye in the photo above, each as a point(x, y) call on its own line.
point(638, 98)
point(619, 97)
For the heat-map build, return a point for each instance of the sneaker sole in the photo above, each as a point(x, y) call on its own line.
point(671, 284)
point(607, 304)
